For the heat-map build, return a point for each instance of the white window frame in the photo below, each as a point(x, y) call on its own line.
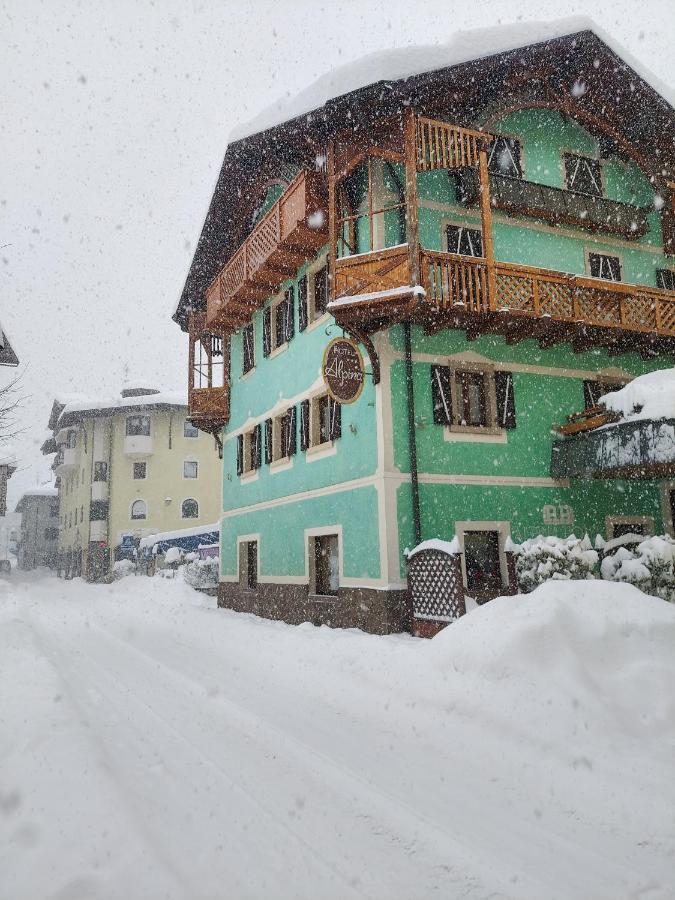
point(492, 432)
point(133, 518)
point(310, 534)
point(194, 462)
point(188, 424)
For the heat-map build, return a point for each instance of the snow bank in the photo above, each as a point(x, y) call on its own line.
point(403, 62)
point(608, 645)
point(650, 396)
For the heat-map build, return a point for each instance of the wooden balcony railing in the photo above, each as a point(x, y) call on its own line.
point(452, 281)
point(288, 235)
point(444, 146)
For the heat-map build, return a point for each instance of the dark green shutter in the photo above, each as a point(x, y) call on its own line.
point(335, 420)
point(267, 331)
point(304, 425)
point(268, 441)
point(256, 449)
point(506, 404)
point(440, 395)
point(240, 454)
point(292, 429)
point(289, 314)
point(302, 303)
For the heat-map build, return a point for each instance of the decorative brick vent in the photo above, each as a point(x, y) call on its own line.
point(436, 590)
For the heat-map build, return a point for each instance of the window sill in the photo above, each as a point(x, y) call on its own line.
point(280, 465)
point(322, 598)
point(278, 350)
point(460, 434)
point(246, 375)
point(317, 323)
point(249, 476)
point(320, 451)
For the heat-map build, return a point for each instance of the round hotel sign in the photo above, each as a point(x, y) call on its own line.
point(343, 370)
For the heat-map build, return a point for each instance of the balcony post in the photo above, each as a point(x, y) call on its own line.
point(486, 222)
point(332, 219)
point(411, 214)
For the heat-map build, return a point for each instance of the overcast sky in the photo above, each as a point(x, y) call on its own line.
point(115, 118)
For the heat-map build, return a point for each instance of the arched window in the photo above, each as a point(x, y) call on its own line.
point(139, 510)
point(138, 425)
point(190, 509)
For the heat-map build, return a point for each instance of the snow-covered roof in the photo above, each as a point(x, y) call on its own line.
point(117, 402)
point(179, 533)
point(7, 355)
point(405, 62)
point(650, 396)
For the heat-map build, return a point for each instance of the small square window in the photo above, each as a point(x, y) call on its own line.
point(504, 157)
point(604, 266)
point(583, 174)
point(138, 425)
point(464, 241)
point(190, 468)
point(665, 279)
point(140, 470)
point(189, 430)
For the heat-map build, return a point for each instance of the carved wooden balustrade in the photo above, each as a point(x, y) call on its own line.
point(289, 234)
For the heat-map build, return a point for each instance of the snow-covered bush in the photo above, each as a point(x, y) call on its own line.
point(122, 568)
point(543, 558)
point(202, 573)
point(648, 565)
point(172, 556)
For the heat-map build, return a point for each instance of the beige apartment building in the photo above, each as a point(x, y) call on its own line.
point(127, 467)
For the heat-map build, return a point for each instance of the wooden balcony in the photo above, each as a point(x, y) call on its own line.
point(208, 378)
point(289, 234)
point(515, 300)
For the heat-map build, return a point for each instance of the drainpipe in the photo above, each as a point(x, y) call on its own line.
point(412, 440)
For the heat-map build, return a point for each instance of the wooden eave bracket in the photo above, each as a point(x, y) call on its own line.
point(362, 337)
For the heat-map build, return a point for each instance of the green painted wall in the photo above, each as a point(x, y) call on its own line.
point(544, 136)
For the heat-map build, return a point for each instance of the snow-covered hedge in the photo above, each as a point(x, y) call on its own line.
point(543, 558)
point(122, 568)
point(202, 573)
point(648, 565)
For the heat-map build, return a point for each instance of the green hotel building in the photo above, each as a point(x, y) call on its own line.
point(498, 236)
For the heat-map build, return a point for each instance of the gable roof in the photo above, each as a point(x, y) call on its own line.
point(7, 355)
point(577, 69)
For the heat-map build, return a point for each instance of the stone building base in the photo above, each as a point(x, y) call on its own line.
point(378, 612)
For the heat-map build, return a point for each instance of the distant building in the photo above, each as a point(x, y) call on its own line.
point(7, 469)
point(127, 466)
point(7, 355)
point(39, 541)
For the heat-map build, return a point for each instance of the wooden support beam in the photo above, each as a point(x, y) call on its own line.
point(332, 218)
point(486, 223)
point(411, 212)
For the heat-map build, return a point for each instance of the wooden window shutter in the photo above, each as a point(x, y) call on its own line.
point(335, 420)
point(291, 440)
point(506, 404)
point(668, 222)
point(304, 425)
point(303, 313)
point(240, 454)
point(268, 441)
point(289, 314)
point(440, 395)
point(267, 331)
point(256, 449)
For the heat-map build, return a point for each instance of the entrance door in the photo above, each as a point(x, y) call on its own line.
point(483, 565)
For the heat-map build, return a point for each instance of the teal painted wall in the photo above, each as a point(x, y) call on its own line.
point(275, 381)
point(282, 541)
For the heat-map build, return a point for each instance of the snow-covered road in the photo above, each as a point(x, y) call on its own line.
point(152, 746)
